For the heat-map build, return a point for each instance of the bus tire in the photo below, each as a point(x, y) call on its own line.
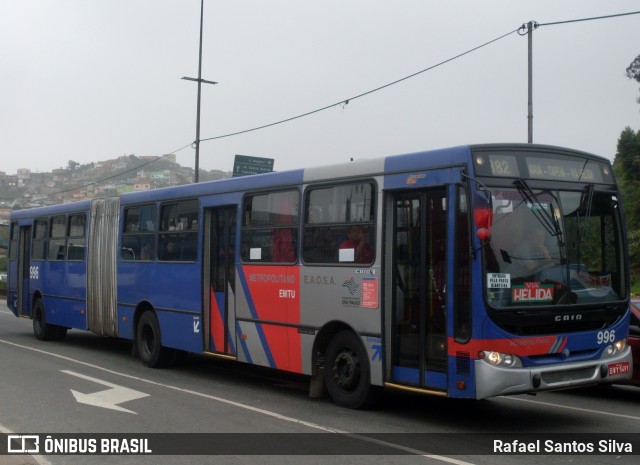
point(149, 342)
point(347, 372)
point(41, 329)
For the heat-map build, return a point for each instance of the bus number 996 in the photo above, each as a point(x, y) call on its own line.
point(34, 272)
point(606, 337)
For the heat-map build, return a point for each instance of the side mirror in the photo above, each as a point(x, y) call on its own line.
point(483, 214)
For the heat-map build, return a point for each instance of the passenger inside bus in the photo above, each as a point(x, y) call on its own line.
point(147, 252)
point(356, 241)
point(319, 242)
point(531, 254)
point(169, 253)
point(283, 248)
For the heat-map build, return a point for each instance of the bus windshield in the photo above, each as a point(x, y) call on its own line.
point(553, 247)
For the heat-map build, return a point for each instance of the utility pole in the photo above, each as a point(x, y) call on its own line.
point(530, 78)
point(528, 29)
point(199, 80)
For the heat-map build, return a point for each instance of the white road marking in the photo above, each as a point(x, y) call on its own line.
point(106, 399)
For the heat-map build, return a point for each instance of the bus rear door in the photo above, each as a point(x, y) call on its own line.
point(220, 278)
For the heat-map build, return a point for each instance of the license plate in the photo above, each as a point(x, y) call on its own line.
point(621, 368)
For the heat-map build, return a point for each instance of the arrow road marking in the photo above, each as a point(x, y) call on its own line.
point(109, 398)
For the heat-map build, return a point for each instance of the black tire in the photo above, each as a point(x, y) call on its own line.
point(41, 329)
point(347, 372)
point(149, 342)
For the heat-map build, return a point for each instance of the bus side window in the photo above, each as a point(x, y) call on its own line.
point(340, 224)
point(178, 240)
point(39, 248)
point(76, 237)
point(139, 233)
point(57, 241)
point(269, 229)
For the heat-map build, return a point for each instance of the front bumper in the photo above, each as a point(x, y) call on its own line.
point(495, 381)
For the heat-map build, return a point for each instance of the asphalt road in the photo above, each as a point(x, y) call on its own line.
point(91, 387)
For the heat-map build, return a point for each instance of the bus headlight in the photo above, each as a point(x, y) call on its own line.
point(499, 359)
point(614, 348)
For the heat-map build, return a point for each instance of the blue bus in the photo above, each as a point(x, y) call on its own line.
point(466, 272)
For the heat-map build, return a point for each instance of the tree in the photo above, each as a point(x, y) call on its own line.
point(72, 165)
point(627, 169)
point(628, 154)
point(633, 71)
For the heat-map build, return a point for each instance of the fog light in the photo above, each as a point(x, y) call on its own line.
point(604, 371)
point(536, 381)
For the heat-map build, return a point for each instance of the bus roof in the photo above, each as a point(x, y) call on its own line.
point(458, 155)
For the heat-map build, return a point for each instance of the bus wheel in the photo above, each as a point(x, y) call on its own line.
point(41, 329)
point(149, 342)
point(347, 371)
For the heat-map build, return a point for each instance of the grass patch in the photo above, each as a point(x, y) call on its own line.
point(635, 283)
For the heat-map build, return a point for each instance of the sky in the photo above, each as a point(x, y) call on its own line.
point(91, 80)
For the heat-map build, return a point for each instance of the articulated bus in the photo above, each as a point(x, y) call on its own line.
point(467, 272)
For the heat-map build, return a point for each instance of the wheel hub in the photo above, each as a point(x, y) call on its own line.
point(345, 369)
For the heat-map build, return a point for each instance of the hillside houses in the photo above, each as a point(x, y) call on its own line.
point(29, 188)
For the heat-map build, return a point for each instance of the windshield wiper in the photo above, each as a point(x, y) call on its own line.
point(583, 228)
point(545, 217)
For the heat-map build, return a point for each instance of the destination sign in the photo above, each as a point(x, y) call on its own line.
point(537, 166)
point(563, 170)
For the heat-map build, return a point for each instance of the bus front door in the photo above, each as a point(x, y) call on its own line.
point(418, 332)
point(220, 252)
point(24, 271)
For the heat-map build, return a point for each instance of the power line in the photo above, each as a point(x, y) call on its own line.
point(363, 94)
point(344, 102)
point(589, 19)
